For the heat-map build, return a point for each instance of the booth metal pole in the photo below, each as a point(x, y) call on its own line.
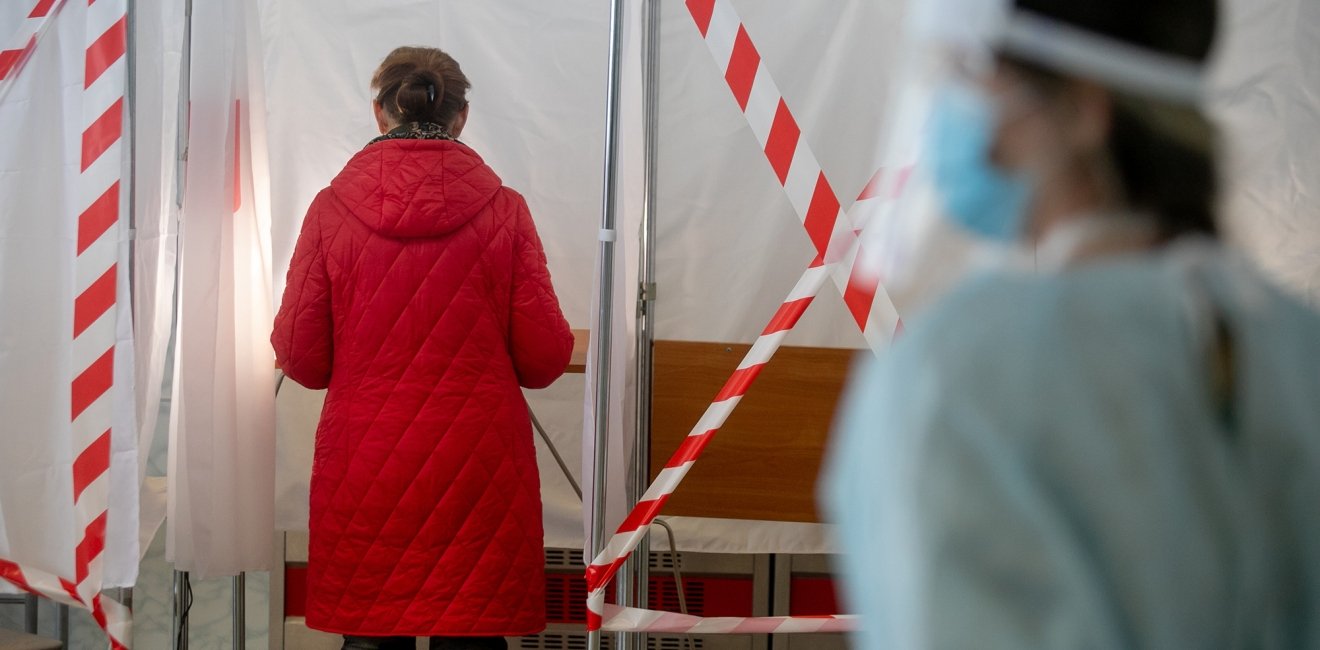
point(185, 92)
point(638, 568)
point(31, 604)
point(605, 314)
point(240, 611)
point(182, 597)
point(182, 603)
point(62, 619)
point(125, 594)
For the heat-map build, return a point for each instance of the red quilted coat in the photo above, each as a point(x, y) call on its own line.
point(419, 295)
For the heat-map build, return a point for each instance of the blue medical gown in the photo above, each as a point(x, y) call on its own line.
point(1042, 462)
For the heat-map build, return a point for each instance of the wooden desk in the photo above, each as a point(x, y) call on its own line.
point(578, 364)
point(763, 463)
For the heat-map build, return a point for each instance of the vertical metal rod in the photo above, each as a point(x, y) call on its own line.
point(605, 315)
point(240, 611)
point(185, 92)
point(62, 618)
point(781, 588)
point(131, 54)
point(31, 623)
point(179, 630)
point(638, 569)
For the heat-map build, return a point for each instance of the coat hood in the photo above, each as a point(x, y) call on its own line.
point(416, 188)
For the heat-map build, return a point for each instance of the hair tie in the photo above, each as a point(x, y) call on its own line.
point(430, 93)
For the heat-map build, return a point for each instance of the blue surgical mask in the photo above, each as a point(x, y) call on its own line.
point(973, 192)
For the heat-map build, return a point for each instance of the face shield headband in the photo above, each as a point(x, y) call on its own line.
point(1125, 67)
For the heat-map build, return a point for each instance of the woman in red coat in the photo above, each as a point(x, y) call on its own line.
point(419, 295)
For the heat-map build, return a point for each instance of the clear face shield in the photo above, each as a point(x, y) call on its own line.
point(956, 211)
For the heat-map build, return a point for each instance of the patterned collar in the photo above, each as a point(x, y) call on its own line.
point(416, 131)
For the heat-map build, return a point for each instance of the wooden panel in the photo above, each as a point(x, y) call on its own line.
point(578, 364)
point(763, 464)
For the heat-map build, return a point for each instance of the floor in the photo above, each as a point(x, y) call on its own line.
point(210, 625)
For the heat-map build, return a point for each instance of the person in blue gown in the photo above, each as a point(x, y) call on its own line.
point(1120, 448)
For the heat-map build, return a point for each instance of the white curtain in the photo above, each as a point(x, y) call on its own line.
point(36, 291)
point(620, 421)
point(730, 244)
point(221, 497)
point(41, 124)
point(12, 15)
point(158, 33)
point(1265, 85)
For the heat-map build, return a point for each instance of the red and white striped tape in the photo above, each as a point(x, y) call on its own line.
point(630, 619)
point(96, 270)
point(837, 244)
point(23, 42)
point(634, 527)
point(831, 230)
point(94, 313)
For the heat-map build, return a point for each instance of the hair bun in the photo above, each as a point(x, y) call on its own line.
point(420, 84)
point(417, 95)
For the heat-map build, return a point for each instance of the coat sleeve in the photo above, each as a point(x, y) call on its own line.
point(540, 341)
point(304, 330)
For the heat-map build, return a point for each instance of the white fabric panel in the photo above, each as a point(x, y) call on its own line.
point(297, 412)
point(559, 408)
point(158, 33)
point(41, 122)
point(123, 549)
point(1265, 86)
point(221, 500)
point(39, 174)
point(12, 15)
point(319, 58)
point(620, 422)
point(730, 245)
point(537, 70)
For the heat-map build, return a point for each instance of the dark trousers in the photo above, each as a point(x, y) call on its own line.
point(437, 643)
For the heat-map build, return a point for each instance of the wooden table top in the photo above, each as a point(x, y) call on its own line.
point(581, 339)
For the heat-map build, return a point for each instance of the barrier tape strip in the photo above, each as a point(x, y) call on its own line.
point(631, 619)
point(95, 315)
point(634, 527)
point(105, 75)
point(833, 233)
point(837, 244)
